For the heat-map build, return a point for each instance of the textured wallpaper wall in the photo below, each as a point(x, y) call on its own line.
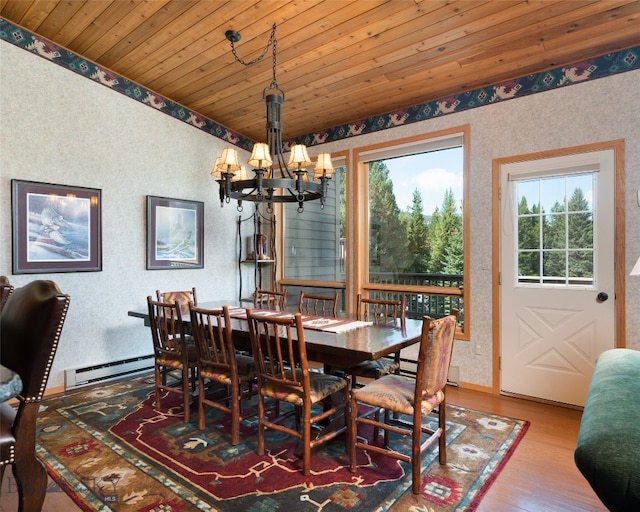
point(59, 127)
point(596, 111)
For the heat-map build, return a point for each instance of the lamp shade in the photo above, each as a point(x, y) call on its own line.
point(215, 172)
point(229, 160)
point(260, 156)
point(299, 156)
point(241, 174)
point(635, 271)
point(324, 166)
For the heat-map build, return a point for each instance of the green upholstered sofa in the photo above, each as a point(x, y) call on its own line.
point(608, 449)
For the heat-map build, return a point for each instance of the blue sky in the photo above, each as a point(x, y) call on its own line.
point(431, 173)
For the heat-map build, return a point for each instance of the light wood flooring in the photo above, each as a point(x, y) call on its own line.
point(540, 476)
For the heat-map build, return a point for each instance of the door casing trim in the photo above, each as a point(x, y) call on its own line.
point(619, 253)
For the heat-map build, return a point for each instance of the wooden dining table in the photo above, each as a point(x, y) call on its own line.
point(342, 349)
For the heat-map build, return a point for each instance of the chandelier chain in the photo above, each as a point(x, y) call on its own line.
point(271, 42)
point(274, 42)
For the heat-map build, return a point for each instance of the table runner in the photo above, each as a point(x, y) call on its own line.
point(318, 323)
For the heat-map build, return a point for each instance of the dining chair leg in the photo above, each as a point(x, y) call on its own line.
point(386, 417)
point(28, 471)
point(306, 439)
point(415, 458)
point(352, 433)
point(158, 379)
point(235, 413)
point(261, 413)
point(201, 395)
point(185, 392)
point(442, 424)
point(31, 480)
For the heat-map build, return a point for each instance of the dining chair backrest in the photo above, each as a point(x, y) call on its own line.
point(167, 329)
point(5, 290)
point(436, 347)
point(171, 353)
point(183, 297)
point(211, 330)
point(268, 299)
point(381, 311)
point(278, 349)
point(320, 305)
point(31, 325)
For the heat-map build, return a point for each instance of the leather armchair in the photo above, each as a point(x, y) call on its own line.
point(30, 327)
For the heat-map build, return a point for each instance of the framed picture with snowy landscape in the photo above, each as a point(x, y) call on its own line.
point(55, 228)
point(175, 232)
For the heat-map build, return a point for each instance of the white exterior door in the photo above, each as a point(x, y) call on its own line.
point(557, 273)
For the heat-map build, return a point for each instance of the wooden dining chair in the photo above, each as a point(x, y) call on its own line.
point(6, 289)
point(174, 354)
point(319, 305)
point(378, 311)
point(415, 398)
point(283, 375)
point(30, 328)
point(268, 299)
point(183, 297)
point(220, 367)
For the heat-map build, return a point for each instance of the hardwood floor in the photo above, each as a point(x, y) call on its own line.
point(540, 476)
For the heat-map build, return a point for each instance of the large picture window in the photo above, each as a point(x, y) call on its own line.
point(396, 224)
point(415, 207)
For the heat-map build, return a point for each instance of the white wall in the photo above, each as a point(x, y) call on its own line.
point(59, 127)
point(596, 111)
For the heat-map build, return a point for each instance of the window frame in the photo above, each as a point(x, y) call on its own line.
point(359, 180)
point(357, 214)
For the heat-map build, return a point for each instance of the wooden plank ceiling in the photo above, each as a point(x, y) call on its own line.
point(337, 60)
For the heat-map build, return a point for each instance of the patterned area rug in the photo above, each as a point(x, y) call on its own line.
point(110, 450)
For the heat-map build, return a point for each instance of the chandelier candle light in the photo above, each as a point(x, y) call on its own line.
point(273, 181)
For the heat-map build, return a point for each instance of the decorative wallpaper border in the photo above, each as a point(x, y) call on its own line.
point(598, 67)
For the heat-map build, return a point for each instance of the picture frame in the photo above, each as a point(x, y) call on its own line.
point(175, 233)
point(55, 228)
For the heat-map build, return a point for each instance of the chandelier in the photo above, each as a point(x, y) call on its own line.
point(272, 180)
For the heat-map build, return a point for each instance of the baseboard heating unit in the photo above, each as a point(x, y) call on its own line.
point(79, 377)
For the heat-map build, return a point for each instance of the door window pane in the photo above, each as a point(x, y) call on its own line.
point(555, 216)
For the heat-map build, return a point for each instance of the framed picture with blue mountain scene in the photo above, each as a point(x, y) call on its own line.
point(55, 228)
point(175, 232)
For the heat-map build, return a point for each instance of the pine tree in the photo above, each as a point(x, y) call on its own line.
point(554, 241)
point(417, 236)
point(580, 235)
point(528, 239)
point(388, 245)
point(445, 234)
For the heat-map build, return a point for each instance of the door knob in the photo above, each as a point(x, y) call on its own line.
point(602, 296)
